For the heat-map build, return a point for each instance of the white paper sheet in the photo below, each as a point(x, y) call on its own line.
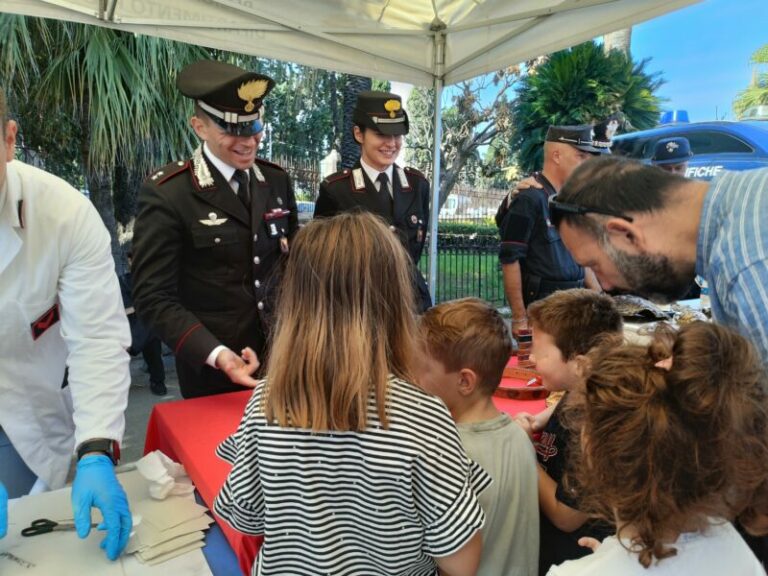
point(64, 554)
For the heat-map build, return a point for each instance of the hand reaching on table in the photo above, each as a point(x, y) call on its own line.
point(96, 485)
point(239, 369)
point(3, 511)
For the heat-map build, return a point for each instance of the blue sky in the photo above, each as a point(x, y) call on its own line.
point(703, 53)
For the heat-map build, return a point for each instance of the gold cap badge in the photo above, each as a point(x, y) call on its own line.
point(250, 91)
point(392, 106)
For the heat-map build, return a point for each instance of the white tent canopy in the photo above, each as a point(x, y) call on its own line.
point(390, 39)
point(423, 42)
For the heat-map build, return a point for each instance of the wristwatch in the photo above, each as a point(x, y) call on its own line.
point(104, 445)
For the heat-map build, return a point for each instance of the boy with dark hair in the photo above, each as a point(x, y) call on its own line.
point(566, 325)
point(465, 348)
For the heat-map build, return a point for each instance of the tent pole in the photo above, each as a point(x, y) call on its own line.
point(437, 123)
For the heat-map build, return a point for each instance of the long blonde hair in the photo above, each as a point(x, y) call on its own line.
point(346, 320)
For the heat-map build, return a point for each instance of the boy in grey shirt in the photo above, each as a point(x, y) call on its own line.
point(465, 348)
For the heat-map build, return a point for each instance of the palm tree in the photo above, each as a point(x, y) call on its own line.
point(114, 90)
point(757, 93)
point(578, 86)
point(350, 150)
point(620, 40)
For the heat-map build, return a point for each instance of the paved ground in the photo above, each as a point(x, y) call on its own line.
point(140, 403)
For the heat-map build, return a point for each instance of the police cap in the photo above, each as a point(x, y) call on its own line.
point(381, 111)
point(580, 137)
point(604, 132)
point(230, 96)
point(674, 150)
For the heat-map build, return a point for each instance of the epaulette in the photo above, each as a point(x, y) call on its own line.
point(169, 171)
point(415, 172)
point(338, 175)
point(270, 164)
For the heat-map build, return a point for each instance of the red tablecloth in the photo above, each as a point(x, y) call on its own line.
point(188, 431)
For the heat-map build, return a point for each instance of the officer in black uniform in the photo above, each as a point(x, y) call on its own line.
point(400, 196)
point(211, 235)
point(534, 260)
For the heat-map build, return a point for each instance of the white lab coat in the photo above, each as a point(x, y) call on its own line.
point(54, 249)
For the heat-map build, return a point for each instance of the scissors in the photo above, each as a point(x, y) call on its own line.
point(43, 526)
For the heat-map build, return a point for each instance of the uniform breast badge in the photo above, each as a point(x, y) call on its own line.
point(213, 220)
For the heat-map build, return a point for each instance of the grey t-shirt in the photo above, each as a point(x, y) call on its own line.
point(511, 503)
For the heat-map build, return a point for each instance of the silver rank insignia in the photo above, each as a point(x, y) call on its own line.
point(403, 179)
point(357, 176)
point(200, 169)
point(213, 220)
point(258, 173)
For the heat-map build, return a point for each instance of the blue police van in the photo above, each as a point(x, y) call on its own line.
point(716, 146)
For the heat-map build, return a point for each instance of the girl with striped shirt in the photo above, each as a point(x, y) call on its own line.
point(340, 461)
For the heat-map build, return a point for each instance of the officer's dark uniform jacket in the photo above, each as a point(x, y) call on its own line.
point(204, 269)
point(528, 236)
point(407, 210)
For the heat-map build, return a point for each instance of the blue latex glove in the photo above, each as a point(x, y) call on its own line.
point(3, 511)
point(96, 485)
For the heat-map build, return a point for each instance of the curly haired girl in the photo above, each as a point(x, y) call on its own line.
point(674, 446)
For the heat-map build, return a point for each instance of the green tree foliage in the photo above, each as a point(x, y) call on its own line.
point(352, 86)
point(100, 107)
point(299, 111)
point(757, 92)
point(95, 99)
point(478, 113)
point(578, 86)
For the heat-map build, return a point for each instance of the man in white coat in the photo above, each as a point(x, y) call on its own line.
point(60, 306)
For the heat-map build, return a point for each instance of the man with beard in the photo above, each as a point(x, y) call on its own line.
point(650, 231)
point(644, 230)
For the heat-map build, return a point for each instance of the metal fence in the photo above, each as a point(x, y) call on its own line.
point(468, 264)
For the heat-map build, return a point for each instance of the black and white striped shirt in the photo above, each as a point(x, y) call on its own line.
point(381, 501)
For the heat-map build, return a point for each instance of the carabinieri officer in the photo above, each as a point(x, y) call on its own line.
point(400, 196)
point(211, 234)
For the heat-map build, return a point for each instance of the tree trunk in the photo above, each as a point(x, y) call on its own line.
point(350, 149)
point(336, 118)
point(619, 40)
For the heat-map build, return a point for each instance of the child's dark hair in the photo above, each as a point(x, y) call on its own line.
point(575, 319)
point(673, 433)
point(468, 333)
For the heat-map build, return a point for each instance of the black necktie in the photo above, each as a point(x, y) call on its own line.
point(383, 181)
point(241, 177)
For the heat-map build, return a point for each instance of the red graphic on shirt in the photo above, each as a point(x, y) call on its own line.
point(48, 319)
point(545, 447)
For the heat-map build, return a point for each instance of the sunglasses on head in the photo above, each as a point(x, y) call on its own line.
point(559, 209)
